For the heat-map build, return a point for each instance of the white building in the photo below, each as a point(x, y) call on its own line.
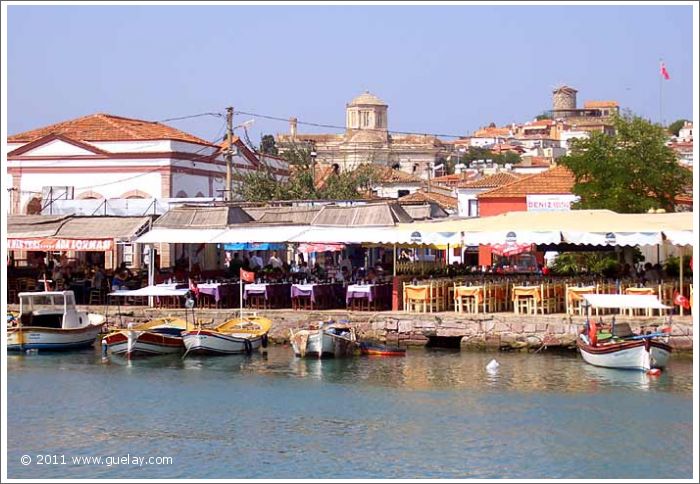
point(105, 156)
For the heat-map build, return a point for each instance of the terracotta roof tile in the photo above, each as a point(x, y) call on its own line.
point(558, 180)
point(491, 181)
point(492, 133)
point(444, 201)
point(600, 104)
point(106, 127)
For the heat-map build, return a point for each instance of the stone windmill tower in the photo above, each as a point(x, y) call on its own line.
point(563, 98)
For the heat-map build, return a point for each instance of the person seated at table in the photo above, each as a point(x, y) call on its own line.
point(234, 265)
point(318, 271)
point(372, 276)
point(119, 280)
point(650, 274)
point(275, 261)
point(342, 275)
point(124, 268)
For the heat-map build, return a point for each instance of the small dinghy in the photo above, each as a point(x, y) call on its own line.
point(373, 349)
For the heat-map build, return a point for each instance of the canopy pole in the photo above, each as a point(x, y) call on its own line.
point(394, 266)
point(681, 274)
point(240, 294)
point(151, 270)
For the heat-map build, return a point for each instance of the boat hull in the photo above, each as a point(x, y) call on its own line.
point(143, 343)
point(51, 339)
point(633, 355)
point(380, 350)
point(208, 342)
point(320, 344)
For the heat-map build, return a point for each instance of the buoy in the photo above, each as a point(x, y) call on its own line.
point(493, 365)
point(654, 372)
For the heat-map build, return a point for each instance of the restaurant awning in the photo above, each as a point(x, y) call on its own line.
point(258, 233)
point(71, 233)
point(179, 236)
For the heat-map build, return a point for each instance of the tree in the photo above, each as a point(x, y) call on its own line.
point(628, 172)
point(543, 116)
point(267, 144)
point(675, 127)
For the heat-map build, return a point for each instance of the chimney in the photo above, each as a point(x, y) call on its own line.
point(293, 127)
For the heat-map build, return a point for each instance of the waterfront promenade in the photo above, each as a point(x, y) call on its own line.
point(504, 331)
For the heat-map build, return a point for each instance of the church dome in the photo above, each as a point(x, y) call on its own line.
point(367, 98)
point(368, 136)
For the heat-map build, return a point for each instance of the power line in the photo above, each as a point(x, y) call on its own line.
point(331, 126)
point(217, 115)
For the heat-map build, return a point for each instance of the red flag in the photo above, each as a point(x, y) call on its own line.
point(664, 72)
point(194, 288)
point(680, 300)
point(247, 276)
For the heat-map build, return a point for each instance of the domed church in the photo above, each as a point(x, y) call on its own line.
point(367, 140)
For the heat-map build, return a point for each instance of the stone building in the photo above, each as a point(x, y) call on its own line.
point(594, 116)
point(367, 139)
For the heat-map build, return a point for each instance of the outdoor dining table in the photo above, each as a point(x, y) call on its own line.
point(529, 295)
point(269, 295)
point(377, 296)
point(224, 293)
point(320, 295)
point(475, 295)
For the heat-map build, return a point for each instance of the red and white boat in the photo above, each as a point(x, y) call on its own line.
point(621, 348)
point(160, 336)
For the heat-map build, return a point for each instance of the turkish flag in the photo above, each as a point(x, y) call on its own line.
point(247, 276)
point(680, 300)
point(664, 72)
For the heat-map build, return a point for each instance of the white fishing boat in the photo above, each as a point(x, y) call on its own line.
point(328, 340)
point(159, 336)
point(620, 347)
point(49, 320)
point(238, 335)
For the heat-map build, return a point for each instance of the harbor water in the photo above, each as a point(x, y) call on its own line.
point(431, 414)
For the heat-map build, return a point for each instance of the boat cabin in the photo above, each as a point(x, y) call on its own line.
point(50, 310)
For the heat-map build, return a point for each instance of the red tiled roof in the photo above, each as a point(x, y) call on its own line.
point(453, 180)
point(534, 161)
point(492, 133)
point(558, 180)
point(106, 127)
point(491, 181)
point(386, 174)
point(444, 201)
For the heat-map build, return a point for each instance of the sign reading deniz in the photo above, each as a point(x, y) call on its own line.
point(550, 203)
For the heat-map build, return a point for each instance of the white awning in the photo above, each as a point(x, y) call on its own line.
point(179, 236)
point(680, 237)
point(520, 237)
point(375, 235)
point(166, 290)
point(612, 238)
point(258, 233)
point(624, 301)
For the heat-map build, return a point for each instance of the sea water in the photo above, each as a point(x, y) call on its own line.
point(430, 414)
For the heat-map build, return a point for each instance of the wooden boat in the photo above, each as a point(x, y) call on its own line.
point(371, 349)
point(231, 337)
point(49, 320)
point(328, 340)
point(621, 348)
point(160, 336)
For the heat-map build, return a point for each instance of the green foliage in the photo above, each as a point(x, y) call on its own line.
point(675, 127)
point(673, 269)
point(542, 116)
point(629, 172)
point(596, 263)
point(476, 153)
point(260, 186)
point(267, 145)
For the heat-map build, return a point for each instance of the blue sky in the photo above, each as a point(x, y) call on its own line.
point(441, 69)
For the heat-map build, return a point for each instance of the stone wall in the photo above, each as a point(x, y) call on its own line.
point(504, 331)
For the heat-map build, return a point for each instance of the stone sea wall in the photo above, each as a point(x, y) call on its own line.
point(499, 331)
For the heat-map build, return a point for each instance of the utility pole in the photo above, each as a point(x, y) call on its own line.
point(229, 152)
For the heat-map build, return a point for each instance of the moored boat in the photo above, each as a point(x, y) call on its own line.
point(621, 348)
point(159, 336)
point(372, 349)
point(234, 336)
point(49, 320)
point(331, 340)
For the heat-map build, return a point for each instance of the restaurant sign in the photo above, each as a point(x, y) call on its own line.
point(81, 245)
point(550, 203)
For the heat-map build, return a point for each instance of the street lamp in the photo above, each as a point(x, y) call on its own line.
point(313, 155)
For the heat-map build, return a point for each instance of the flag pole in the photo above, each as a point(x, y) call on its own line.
point(661, 84)
point(240, 295)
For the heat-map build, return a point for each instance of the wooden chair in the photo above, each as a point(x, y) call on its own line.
point(96, 297)
point(417, 298)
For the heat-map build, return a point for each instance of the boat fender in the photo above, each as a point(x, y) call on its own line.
point(264, 340)
point(654, 372)
point(248, 347)
point(493, 365)
point(593, 333)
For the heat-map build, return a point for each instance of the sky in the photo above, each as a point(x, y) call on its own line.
point(441, 69)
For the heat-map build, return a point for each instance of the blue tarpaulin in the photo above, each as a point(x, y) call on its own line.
point(254, 246)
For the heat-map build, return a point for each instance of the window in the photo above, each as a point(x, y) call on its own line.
point(473, 210)
point(403, 193)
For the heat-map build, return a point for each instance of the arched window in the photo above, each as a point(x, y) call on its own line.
point(181, 194)
point(199, 194)
point(34, 206)
point(396, 166)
